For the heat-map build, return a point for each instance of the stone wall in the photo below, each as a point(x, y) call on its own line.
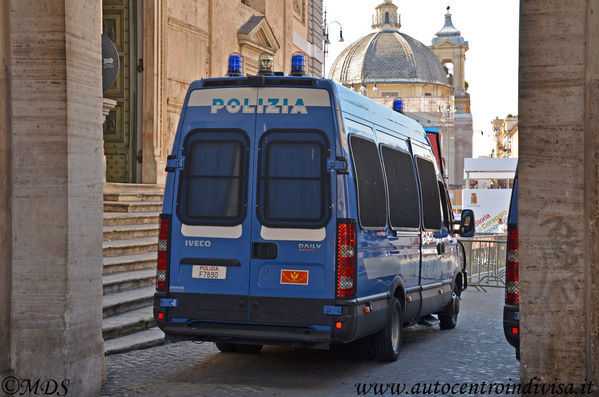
point(53, 143)
point(558, 218)
point(187, 40)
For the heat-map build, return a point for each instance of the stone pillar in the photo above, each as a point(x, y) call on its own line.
point(5, 218)
point(51, 193)
point(558, 197)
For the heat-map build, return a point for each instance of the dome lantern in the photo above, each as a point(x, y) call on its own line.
point(386, 17)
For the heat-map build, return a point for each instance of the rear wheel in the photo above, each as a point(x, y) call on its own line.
point(387, 343)
point(226, 347)
point(448, 318)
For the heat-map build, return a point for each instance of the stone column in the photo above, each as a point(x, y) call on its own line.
point(5, 218)
point(52, 218)
point(558, 197)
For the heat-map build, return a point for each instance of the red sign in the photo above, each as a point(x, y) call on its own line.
point(294, 277)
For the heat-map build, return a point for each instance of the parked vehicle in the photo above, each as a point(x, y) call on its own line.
point(511, 309)
point(298, 212)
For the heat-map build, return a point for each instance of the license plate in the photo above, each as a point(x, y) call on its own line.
point(516, 315)
point(210, 272)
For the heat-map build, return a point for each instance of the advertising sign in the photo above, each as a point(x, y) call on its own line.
point(490, 208)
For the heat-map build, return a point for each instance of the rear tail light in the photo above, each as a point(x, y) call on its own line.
point(346, 260)
point(162, 266)
point(512, 277)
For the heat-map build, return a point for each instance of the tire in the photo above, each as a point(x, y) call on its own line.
point(448, 318)
point(226, 347)
point(387, 342)
point(248, 349)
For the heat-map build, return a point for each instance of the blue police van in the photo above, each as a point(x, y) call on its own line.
point(298, 212)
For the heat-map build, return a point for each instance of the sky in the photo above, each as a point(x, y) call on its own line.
point(489, 26)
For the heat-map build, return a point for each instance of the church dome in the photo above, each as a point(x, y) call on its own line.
point(388, 56)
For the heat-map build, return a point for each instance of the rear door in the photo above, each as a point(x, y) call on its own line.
point(293, 232)
point(211, 232)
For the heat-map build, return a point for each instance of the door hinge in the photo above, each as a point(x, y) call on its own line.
point(173, 163)
point(339, 165)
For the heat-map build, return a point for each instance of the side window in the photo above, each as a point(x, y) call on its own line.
point(446, 206)
point(372, 203)
point(293, 184)
point(431, 203)
point(402, 189)
point(213, 184)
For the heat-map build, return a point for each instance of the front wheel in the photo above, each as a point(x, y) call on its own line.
point(387, 343)
point(448, 318)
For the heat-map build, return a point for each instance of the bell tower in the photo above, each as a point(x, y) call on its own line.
point(450, 47)
point(386, 17)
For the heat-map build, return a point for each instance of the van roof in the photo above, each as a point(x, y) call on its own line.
point(347, 100)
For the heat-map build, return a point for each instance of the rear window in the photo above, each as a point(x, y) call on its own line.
point(293, 185)
point(372, 202)
point(431, 204)
point(404, 211)
point(213, 186)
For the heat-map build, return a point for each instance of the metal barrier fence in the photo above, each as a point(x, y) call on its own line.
point(485, 260)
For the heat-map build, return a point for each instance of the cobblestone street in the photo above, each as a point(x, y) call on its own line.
point(474, 352)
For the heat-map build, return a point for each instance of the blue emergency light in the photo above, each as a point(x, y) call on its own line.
point(298, 65)
point(398, 105)
point(235, 65)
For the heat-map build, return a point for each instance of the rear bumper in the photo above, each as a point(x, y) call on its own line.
point(511, 321)
point(247, 333)
point(272, 321)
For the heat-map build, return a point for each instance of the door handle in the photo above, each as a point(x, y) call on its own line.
point(264, 250)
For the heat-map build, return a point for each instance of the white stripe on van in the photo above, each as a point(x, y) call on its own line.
point(206, 97)
point(310, 96)
point(211, 231)
point(265, 100)
point(268, 233)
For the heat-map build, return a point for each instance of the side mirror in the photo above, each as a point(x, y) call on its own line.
point(467, 224)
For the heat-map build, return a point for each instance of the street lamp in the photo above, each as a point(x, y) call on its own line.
point(325, 36)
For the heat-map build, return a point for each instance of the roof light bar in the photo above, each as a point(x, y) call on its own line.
point(398, 105)
point(298, 64)
point(235, 65)
point(266, 64)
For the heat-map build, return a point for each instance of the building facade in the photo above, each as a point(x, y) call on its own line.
point(506, 136)
point(164, 45)
point(389, 64)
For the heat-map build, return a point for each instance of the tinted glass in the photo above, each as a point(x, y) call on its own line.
point(445, 206)
point(431, 204)
point(372, 202)
point(213, 183)
point(404, 211)
point(293, 185)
